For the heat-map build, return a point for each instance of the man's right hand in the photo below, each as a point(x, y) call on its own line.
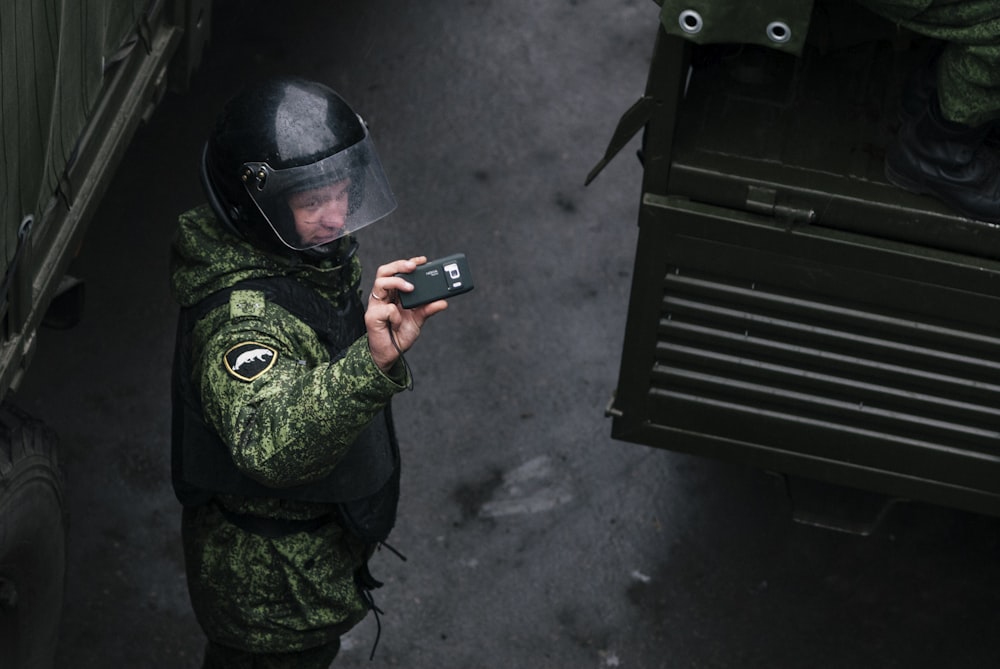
point(385, 319)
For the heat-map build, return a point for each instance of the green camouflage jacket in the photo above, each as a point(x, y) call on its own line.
point(289, 424)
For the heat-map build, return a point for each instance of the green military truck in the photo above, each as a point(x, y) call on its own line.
point(76, 80)
point(791, 310)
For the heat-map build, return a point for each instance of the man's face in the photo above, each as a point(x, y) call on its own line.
point(321, 213)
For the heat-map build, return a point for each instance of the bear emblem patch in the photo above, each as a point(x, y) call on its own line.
point(249, 360)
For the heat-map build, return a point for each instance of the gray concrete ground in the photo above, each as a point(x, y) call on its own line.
point(533, 539)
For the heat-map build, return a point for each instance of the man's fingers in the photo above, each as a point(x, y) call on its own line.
point(428, 310)
point(400, 266)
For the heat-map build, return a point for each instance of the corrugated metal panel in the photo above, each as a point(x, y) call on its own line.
point(811, 351)
point(807, 361)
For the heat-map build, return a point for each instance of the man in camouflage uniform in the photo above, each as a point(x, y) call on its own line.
point(282, 380)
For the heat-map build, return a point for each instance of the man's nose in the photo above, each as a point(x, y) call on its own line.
point(333, 216)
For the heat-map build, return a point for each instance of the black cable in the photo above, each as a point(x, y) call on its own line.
point(406, 366)
point(397, 553)
point(369, 600)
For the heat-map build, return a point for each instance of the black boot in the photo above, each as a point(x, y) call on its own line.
point(947, 160)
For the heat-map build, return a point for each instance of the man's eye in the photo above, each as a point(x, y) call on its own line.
point(307, 203)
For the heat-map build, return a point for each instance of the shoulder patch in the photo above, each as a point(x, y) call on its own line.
point(249, 360)
point(246, 303)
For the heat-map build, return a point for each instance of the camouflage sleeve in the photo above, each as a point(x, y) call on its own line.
point(268, 388)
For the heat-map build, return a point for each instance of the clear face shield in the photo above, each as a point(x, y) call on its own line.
point(315, 204)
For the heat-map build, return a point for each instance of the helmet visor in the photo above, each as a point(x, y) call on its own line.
point(312, 205)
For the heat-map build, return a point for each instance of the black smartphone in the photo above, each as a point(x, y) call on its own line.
point(436, 280)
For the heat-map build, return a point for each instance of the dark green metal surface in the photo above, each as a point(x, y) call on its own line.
point(791, 310)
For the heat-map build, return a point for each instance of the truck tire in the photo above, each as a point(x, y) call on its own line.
point(32, 542)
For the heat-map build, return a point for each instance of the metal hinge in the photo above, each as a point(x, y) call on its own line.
point(763, 200)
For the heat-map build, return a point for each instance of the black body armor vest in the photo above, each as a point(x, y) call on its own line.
point(364, 482)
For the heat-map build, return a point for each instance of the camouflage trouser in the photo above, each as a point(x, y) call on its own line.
point(968, 69)
point(221, 657)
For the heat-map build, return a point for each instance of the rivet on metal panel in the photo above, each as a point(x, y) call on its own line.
point(690, 22)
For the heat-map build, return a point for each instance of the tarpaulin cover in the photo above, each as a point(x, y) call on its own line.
point(53, 55)
point(780, 24)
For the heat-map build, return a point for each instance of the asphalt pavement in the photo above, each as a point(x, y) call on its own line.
point(532, 538)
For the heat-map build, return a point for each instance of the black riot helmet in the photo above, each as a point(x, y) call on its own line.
point(291, 167)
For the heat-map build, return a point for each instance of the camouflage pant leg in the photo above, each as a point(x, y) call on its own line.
point(969, 67)
point(221, 657)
